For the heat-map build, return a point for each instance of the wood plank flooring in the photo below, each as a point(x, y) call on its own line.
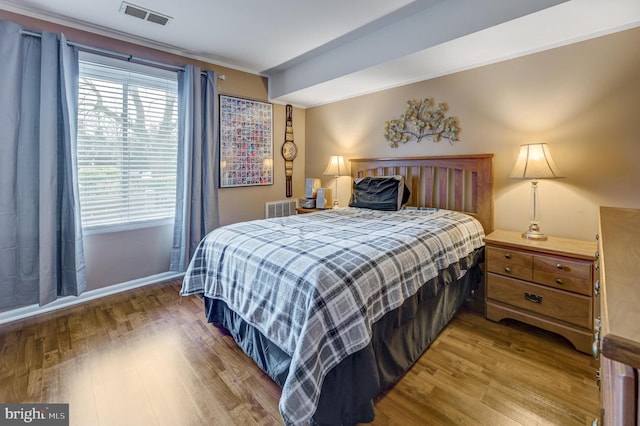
point(148, 357)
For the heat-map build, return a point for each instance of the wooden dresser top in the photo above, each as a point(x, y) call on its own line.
point(620, 274)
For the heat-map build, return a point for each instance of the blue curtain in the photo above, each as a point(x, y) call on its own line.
point(41, 252)
point(197, 182)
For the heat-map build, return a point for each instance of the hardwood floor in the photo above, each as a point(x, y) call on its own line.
point(148, 357)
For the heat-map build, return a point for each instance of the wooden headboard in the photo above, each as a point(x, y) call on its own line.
point(462, 183)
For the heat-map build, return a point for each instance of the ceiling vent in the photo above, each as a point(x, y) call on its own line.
point(145, 14)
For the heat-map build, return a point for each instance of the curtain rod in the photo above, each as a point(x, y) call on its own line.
point(124, 56)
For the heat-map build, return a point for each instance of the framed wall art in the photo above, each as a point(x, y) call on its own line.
point(246, 142)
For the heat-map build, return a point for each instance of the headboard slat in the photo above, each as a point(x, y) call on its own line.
point(428, 187)
point(459, 189)
point(474, 197)
point(443, 188)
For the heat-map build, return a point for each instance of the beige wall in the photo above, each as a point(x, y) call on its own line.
point(582, 99)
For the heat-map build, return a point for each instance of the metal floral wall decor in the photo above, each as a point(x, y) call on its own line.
point(422, 119)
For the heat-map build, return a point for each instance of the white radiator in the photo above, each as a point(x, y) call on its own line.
point(279, 208)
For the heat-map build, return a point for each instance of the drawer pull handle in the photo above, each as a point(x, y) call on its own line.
point(507, 255)
point(598, 378)
point(559, 266)
point(596, 288)
point(595, 347)
point(559, 281)
point(597, 255)
point(596, 266)
point(507, 269)
point(533, 297)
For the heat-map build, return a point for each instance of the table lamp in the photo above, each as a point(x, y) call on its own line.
point(336, 168)
point(534, 162)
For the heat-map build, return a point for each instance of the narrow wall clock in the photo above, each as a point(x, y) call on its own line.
point(289, 151)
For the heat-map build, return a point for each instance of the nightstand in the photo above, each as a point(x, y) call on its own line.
point(548, 284)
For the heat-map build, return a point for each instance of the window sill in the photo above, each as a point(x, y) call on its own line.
point(130, 226)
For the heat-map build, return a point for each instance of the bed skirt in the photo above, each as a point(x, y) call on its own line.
point(399, 338)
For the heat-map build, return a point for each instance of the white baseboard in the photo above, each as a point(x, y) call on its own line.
point(32, 310)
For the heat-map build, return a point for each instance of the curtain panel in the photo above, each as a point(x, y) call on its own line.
point(198, 180)
point(41, 251)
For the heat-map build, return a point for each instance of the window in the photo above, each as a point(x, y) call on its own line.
point(127, 142)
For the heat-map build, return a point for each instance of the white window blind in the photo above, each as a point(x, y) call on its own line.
point(127, 143)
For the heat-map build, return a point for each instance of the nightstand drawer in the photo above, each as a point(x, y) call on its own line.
point(561, 305)
point(509, 262)
point(563, 266)
point(563, 282)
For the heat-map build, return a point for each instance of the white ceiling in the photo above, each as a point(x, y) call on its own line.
point(320, 51)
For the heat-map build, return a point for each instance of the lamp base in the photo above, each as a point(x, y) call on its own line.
point(533, 233)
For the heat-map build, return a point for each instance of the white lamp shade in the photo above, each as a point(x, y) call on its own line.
point(336, 166)
point(534, 162)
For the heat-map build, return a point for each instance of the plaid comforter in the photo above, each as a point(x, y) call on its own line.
point(313, 284)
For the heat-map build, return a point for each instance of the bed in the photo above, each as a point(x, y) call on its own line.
point(336, 306)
